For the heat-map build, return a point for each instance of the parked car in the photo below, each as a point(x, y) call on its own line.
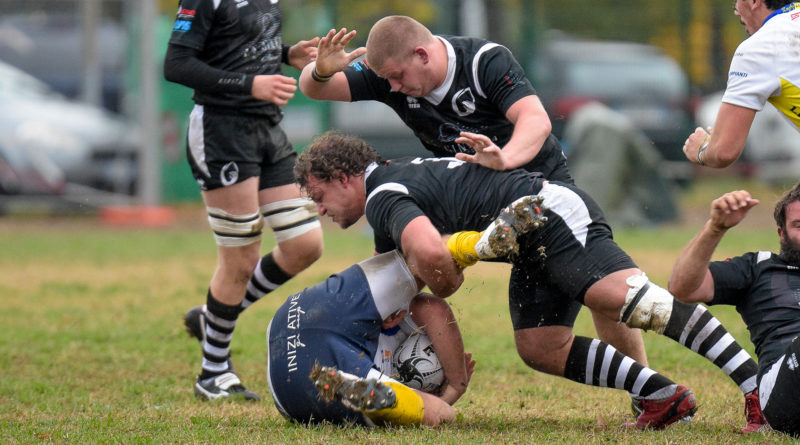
point(637, 80)
point(84, 144)
point(38, 42)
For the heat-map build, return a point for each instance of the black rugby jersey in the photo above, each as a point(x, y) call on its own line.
point(766, 292)
point(241, 37)
point(454, 195)
point(486, 81)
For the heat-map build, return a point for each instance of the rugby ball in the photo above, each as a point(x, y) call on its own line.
point(418, 366)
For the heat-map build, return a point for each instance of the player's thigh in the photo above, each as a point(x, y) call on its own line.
point(237, 199)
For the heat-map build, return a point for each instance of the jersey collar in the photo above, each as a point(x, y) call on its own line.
point(437, 96)
point(787, 8)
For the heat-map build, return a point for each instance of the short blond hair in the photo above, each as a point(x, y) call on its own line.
point(395, 37)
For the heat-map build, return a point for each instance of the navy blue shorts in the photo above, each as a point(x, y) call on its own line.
point(334, 323)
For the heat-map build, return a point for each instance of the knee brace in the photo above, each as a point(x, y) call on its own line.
point(291, 218)
point(234, 230)
point(647, 305)
point(408, 410)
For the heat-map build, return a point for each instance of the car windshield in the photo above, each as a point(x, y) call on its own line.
point(601, 78)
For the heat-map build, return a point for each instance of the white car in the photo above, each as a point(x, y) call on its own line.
point(68, 141)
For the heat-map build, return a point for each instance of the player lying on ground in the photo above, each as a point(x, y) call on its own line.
point(764, 287)
point(411, 203)
point(344, 332)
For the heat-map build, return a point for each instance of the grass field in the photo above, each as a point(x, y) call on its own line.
point(92, 348)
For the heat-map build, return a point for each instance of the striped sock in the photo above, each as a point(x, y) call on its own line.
point(267, 277)
point(595, 362)
point(220, 322)
point(693, 326)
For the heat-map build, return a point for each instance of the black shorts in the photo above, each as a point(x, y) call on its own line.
point(783, 405)
point(225, 148)
point(557, 263)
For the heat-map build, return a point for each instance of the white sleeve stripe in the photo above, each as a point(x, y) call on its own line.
point(388, 187)
point(475, 61)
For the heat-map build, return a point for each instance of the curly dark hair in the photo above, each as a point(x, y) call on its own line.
point(332, 154)
point(780, 207)
point(774, 5)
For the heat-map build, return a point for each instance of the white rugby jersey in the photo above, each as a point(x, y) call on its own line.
point(766, 66)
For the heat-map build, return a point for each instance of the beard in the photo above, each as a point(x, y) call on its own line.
point(790, 251)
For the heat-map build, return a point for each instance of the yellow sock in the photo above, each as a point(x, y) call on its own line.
point(407, 410)
point(462, 246)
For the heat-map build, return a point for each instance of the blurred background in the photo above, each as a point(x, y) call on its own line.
point(88, 122)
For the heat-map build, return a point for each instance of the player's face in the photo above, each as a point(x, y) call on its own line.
point(408, 77)
point(339, 199)
point(746, 16)
point(790, 238)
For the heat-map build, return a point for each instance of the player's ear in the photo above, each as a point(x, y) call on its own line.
point(422, 53)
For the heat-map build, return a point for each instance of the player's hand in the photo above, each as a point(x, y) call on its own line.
point(486, 152)
point(331, 56)
point(470, 364)
point(693, 143)
point(729, 209)
point(274, 88)
point(303, 52)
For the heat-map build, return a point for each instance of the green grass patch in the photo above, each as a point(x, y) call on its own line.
point(93, 348)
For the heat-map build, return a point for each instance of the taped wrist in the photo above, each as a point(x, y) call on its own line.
point(462, 247)
point(409, 409)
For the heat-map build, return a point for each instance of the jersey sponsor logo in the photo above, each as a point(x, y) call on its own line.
point(229, 174)
point(795, 15)
point(463, 102)
point(448, 132)
point(241, 3)
point(293, 342)
point(791, 362)
point(738, 74)
point(182, 25)
point(187, 14)
point(266, 47)
point(413, 103)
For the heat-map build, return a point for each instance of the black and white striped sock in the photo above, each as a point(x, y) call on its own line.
point(220, 323)
point(267, 277)
point(595, 362)
point(693, 326)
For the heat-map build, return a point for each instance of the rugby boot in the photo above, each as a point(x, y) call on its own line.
point(658, 414)
point(358, 393)
point(756, 422)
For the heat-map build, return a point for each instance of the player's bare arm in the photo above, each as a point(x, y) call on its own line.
point(691, 281)
point(429, 258)
point(324, 79)
point(439, 322)
point(720, 146)
point(531, 128)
